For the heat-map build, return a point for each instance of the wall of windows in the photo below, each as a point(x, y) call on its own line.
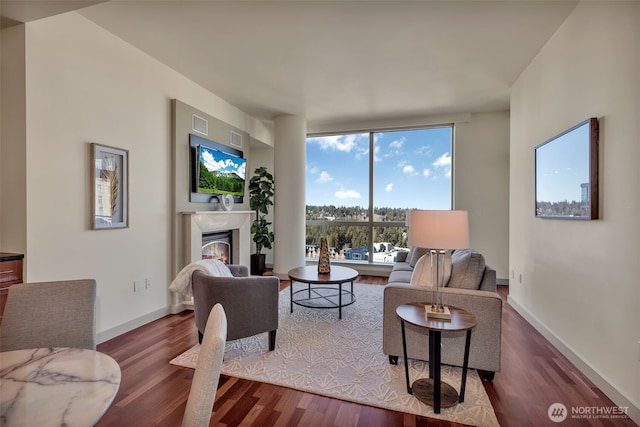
point(360, 185)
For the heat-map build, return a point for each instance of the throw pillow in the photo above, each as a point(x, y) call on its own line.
point(467, 269)
point(415, 254)
point(422, 273)
point(402, 256)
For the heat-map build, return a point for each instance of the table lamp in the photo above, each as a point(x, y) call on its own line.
point(440, 231)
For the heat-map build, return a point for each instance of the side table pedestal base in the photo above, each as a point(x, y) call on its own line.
point(423, 391)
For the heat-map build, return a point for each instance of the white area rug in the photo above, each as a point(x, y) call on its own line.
point(317, 353)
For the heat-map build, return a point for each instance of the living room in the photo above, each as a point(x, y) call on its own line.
point(66, 82)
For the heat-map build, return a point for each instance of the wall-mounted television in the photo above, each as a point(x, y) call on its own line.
point(215, 169)
point(567, 174)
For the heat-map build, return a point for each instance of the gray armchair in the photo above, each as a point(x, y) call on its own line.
point(250, 302)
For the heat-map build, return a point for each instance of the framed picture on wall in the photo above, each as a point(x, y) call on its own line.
point(109, 187)
point(567, 174)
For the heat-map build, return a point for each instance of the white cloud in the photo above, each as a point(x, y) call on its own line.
point(324, 177)
point(312, 169)
point(426, 173)
point(388, 188)
point(398, 143)
point(409, 170)
point(443, 161)
point(347, 194)
point(242, 170)
point(344, 143)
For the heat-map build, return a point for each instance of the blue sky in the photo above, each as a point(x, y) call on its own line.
point(562, 165)
point(412, 169)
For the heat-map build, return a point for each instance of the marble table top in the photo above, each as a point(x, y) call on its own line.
point(56, 386)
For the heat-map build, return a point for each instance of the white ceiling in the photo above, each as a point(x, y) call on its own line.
point(342, 61)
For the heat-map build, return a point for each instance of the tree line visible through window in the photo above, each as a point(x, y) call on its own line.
point(360, 185)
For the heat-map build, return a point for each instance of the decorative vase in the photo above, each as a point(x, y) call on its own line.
point(324, 262)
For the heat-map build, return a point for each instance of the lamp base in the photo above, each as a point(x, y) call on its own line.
point(434, 313)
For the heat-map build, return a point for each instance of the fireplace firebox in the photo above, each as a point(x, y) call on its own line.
point(218, 245)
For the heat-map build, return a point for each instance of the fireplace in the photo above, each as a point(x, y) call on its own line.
point(197, 224)
point(218, 245)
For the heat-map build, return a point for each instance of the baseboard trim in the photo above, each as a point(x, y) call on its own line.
point(131, 325)
point(607, 388)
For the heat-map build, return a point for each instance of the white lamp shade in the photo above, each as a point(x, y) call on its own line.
point(439, 229)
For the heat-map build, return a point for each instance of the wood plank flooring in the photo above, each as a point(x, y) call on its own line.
point(154, 393)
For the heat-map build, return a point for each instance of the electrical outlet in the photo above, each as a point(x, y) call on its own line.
point(136, 285)
point(147, 282)
point(520, 277)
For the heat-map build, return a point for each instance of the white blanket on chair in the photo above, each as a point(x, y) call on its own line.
point(182, 283)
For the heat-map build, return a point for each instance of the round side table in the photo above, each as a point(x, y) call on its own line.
point(433, 391)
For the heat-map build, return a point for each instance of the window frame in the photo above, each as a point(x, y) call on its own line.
point(370, 223)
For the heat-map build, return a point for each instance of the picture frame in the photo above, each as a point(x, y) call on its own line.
point(109, 187)
point(566, 174)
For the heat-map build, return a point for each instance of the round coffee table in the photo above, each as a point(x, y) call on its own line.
point(320, 291)
point(432, 390)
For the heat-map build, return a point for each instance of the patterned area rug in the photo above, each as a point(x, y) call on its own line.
point(317, 353)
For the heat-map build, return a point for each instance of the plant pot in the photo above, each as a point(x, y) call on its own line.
point(257, 264)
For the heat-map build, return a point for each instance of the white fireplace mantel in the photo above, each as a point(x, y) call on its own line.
point(197, 223)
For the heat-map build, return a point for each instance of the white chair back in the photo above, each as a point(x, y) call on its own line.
point(207, 373)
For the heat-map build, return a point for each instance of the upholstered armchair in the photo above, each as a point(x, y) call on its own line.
point(250, 302)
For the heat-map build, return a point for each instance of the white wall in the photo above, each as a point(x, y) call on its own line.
point(580, 278)
point(481, 179)
point(85, 85)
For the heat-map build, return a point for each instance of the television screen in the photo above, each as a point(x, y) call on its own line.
point(220, 172)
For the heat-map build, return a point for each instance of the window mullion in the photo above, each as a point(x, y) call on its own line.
point(371, 165)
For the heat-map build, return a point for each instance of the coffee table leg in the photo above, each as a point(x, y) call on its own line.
point(465, 365)
point(406, 360)
point(436, 372)
point(340, 301)
point(291, 293)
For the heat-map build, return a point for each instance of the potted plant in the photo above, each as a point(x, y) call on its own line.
point(261, 187)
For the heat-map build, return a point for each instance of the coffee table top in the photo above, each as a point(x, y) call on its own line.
point(309, 274)
point(414, 313)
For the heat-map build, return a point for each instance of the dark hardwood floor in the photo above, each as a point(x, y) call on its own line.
point(154, 393)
